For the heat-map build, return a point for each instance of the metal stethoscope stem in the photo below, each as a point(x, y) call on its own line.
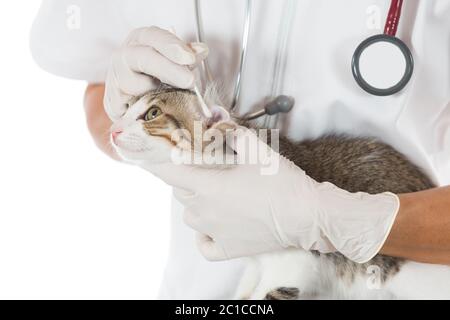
point(200, 38)
point(281, 104)
point(243, 58)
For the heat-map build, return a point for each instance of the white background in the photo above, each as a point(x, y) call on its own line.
point(73, 223)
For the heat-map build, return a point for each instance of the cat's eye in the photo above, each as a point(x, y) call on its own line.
point(152, 113)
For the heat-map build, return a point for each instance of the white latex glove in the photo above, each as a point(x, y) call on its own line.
point(240, 212)
point(148, 54)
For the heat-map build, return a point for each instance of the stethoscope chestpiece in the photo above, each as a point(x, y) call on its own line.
point(388, 40)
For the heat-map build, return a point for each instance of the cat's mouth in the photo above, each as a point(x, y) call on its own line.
point(128, 146)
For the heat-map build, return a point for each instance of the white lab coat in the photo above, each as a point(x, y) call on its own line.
point(75, 39)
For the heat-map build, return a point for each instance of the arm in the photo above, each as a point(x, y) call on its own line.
point(97, 120)
point(421, 231)
point(289, 209)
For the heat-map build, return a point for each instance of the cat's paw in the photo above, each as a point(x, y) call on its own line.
point(283, 293)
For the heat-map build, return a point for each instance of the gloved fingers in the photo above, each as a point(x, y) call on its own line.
point(200, 49)
point(206, 244)
point(182, 176)
point(147, 60)
point(120, 90)
point(165, 42)
point(130, 82)
point(184, 196)
point(191, 219)
point(114, 101)
point(210, 249)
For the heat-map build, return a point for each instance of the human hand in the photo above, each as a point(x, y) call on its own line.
point(148, 54)
point(240, 212)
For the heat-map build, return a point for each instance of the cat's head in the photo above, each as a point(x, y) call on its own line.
point(160, 121)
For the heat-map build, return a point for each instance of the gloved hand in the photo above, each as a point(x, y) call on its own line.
point(240, 212)
point(148, 54)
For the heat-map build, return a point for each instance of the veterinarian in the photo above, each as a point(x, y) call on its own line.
point(77, 39)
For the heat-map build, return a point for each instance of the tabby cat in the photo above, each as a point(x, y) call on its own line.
point(352, 163)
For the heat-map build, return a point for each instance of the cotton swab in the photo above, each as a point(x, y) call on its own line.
point(203, 105)
point(206, 112)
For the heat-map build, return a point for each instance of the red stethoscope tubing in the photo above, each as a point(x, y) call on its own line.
point(393, 18)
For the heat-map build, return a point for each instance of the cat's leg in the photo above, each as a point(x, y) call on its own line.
point(420, 281)
point(249, 279)
point(287, 275)
point(283, 293)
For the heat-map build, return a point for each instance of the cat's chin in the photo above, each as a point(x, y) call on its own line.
point(175, 156)
point(139, 156)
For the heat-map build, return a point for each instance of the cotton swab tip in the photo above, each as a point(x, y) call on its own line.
point(203, 105)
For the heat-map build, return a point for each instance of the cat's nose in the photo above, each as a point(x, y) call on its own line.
point(115, 134)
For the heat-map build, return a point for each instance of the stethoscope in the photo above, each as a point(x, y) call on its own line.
point(283, 103)
point(388, 39)
point(279, 104)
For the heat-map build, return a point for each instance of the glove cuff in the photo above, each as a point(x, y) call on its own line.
point(357, 224)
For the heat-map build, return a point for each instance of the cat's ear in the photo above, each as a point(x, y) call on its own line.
point(222, 123)
point(221, 120)
point(219, 114)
